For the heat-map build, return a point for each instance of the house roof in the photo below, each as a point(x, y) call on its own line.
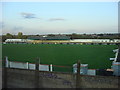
point(36, 38)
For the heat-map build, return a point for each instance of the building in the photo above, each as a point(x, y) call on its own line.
point(15, 40)
point(62, 39)
point(49, 38)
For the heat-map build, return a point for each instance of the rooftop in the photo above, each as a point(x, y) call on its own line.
point(50, 38)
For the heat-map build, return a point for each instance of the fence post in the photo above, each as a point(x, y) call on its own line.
point(37, 73)
point(27, 65)
point(51, 68)
point(6, 62)
point(78, 75)
point(4, 74)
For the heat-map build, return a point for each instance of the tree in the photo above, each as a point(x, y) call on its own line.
point(9, 36)
point(75, 36)
point(51, 35)
point(20, 35)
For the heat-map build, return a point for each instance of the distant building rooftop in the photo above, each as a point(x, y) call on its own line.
point(50, 38)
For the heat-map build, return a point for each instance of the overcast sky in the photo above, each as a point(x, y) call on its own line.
point(59, 17)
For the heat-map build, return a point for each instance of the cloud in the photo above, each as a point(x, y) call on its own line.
point(56, 19)
point(28, 15)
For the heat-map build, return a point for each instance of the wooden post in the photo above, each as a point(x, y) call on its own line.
point(37, 73)
point(4, 74)
point(78, 67)
point(78, 75)
point(6, 61)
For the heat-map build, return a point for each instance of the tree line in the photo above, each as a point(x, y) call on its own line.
point(72, 36)
point(10, 36)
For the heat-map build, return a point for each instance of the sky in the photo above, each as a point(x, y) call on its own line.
point(59, 17)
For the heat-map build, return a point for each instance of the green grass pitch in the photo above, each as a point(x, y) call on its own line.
point(96, 56)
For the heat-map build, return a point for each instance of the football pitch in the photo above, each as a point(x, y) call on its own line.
point(96, 56)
